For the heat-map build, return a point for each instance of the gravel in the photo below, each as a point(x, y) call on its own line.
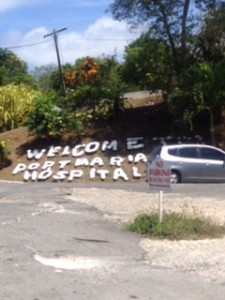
point(205, 258)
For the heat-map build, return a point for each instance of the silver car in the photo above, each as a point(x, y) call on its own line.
point(192, 162)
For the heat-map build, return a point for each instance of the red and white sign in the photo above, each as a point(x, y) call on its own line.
point(159, 175)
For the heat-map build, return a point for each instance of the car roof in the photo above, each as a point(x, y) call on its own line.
point(188, 145)
point(191, 145)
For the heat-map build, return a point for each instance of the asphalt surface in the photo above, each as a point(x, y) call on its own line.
point(54, 248)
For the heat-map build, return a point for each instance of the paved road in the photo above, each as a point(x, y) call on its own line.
point(54, 248)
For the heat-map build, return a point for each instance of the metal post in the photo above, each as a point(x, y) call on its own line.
point(160, 206)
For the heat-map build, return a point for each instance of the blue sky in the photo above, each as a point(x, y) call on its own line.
point(90, 30)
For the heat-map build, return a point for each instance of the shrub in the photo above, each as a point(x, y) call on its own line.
point(48, 120)
point(15, 103)
point(176, 227)
point(4, 152)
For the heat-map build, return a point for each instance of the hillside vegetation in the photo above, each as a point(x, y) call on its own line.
point(151, 128)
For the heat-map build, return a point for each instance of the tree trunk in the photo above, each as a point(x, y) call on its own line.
point(212, 128)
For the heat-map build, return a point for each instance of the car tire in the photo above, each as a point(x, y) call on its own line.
point(175, 177)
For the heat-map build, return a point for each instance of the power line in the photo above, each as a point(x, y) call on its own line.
point(23, 46)
point(76, 39)
point(98, 39)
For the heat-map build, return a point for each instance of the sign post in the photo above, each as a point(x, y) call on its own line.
point(160, 206)
point(159, 179)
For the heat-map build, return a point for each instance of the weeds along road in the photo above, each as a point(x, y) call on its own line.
point(55, 248)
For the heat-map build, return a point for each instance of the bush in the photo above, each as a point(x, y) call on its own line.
point(15, 103)
point(176, 227)
point(4, 152)
point(47, 120)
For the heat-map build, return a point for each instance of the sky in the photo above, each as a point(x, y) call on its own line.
point(90, 31)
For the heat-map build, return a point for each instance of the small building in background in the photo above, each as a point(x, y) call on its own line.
point(141, 99)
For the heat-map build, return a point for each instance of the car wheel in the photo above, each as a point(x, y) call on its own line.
point(175, 177)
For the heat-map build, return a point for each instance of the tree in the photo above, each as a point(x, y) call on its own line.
point(94, 84)
point(114, 86)
point(13, 69)
point(147, 64)
point(83, 83)
point(205, 92)
point(170, 21)
point(210, 42)
point(43, 76)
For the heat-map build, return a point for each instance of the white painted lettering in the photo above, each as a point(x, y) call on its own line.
point(53, 151)
point(75, 174)
point(64, 163)
point(116, 161)
point(102, 174)
point(19, 168)
point(109, 146)
point(92, 147)
point(134, 143)
point(45, 174)
point(92, 173)
point(66, 151)
point(119, 173)
point(140, 157)
point(30, 175)
point(81, 162)
point(97, 161)
point(60, 175)
point(130, 158)
point(33, 166)
point(35, 154)
point(135, 172)
point(76, 152)
point(48, 164)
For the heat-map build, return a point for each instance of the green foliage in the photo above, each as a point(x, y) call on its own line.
point(204, 92)
point(148, 64)
point(176, 227)
point(4, 152)
point(13, 70)
point(210, 40)
point(172, 22)
point(111, 104)
point(47, 120)
point(46, 78)
point(15, 103)
point(95, 86)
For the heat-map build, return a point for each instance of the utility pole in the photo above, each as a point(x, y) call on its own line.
point(55, 37)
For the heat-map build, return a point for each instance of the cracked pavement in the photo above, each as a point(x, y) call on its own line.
point(55, 248)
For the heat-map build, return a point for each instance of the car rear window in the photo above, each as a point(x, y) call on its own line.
point(208, 153)
point(188, 152)
point(155, 152)
point(173, 152)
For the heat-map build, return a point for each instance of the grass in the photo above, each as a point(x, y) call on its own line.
point(176, 226)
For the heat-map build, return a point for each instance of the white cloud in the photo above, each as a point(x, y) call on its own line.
point(6, 5)
point(11, 4)
point(91, 3)
point(104, 37)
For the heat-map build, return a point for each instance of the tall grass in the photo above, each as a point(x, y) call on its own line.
point(15, 102)
point(176, 226)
